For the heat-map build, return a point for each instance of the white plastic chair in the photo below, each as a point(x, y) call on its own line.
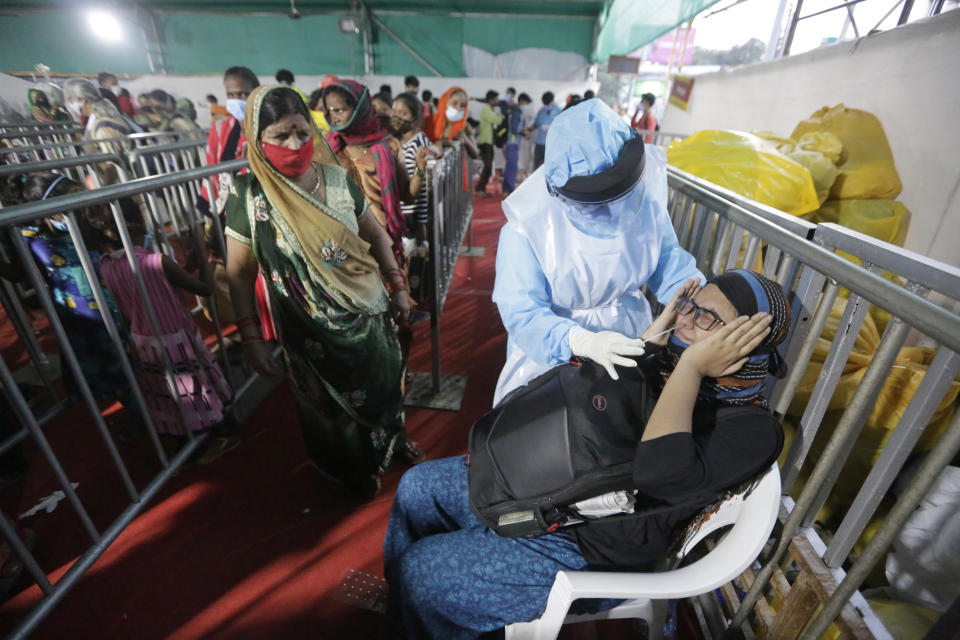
point(647, 594)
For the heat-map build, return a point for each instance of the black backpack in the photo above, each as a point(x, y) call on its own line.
point(569, 435)
point(502, 131)
point(566, 436)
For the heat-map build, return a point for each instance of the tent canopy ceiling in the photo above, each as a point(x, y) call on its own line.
point(424, 37)
point(589, 8)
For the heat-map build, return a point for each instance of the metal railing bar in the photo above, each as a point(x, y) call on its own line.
point(733, 253)
point(929, 318)
point(803, 342)
point(771, 262)
point(29, 211)
point(23, 433)
point(750, 252)
point(933, 274)
point(853, 317)
point(85, 561)
point(701, 241)
point(856, 413)
point(59, 163)
point(59, 124)
point(36, 279)
point(105, 315)
point(725, 236)
point(46, 147)
point(692, 183)
point(909, 429)
point(22, 409)
point(163, 148)
point(876, 549)
point(24, 329)
point(686, 215)
point(10, 533)
point(37, 134)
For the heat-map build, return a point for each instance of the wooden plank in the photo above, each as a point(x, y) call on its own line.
point(763, 615)
point(849, 622)
point(796, 611)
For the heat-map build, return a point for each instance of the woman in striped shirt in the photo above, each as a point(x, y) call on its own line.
point(405, 125)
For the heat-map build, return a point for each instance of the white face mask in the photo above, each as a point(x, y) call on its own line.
point(453, 114)
point(74, 106)
point(237, 108)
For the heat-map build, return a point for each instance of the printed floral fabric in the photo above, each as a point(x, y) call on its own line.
point(450, 576)
point(345, 367)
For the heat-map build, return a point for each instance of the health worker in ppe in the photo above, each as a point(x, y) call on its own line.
point(584, 233)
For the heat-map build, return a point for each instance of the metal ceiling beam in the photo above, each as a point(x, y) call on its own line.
point(404, 45)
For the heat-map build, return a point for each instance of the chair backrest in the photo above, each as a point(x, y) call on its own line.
point(752, 524)
point(717, 516)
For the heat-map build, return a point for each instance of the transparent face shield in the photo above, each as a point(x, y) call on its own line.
point(596, 203)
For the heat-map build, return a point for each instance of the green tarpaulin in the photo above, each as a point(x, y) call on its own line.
point(209, 37)
point(627, 25)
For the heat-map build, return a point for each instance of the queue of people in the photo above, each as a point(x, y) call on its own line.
point(316, 261)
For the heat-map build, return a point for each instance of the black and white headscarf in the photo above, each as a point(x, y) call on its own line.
point(749, 293)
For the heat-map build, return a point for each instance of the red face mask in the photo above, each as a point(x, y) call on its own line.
point(292, 163)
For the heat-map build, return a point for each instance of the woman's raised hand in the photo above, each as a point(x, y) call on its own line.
point(668, 317)
point(726, 349)
point(421, 159)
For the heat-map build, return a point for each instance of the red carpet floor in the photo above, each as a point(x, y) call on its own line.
point(253, 545)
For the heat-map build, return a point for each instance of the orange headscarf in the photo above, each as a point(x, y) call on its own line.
point(434, 124)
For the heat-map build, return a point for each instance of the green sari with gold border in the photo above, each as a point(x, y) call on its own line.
point(345, 367)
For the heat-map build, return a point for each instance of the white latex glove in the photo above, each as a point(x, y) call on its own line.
point(606, 348)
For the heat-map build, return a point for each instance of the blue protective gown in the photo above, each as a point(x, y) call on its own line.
point(556, 269)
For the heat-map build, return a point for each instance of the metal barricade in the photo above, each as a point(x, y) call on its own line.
point(661, 138)
point(723, 230)
point(25, 136)
point(119, 144)
point(176, 208)
point(451, 213)
point(246, 391)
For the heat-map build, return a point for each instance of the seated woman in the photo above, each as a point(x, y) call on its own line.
point(451, 577)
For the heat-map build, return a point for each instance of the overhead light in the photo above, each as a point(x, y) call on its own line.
point(348, 25)
point(105, 25)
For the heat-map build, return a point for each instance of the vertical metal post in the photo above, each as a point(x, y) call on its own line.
point(857, 412)
point(794, 19)
point(876, 549)
point(436, 269)
point(10, 533)
point(771, 51)
point(106, 316)
point(151, 315)
point(935, 383)
point(905, 12)
point(24, 328)
point(22, 409)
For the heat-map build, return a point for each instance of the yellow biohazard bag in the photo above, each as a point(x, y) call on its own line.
point(866, 161)
point(886, 220)
point(822, 171)
point(748, 165)
point(822, 141)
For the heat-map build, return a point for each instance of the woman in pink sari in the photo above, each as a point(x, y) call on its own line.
point(373, 157)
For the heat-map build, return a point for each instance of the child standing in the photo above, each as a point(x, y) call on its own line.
point(203, 391)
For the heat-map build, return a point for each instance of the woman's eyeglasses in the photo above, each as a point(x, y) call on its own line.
point(704, 319)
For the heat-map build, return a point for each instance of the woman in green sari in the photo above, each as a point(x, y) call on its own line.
point(304, 223)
